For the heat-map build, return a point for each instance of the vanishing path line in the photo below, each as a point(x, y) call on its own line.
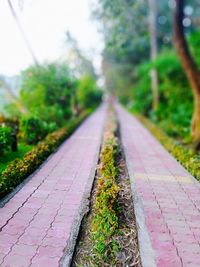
point(166, 199)
point(40, 224)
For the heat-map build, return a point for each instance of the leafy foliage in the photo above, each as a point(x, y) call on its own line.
point(105, 219)
point(5, 139)
point(88, 95)
point(46, 91)
point(33, 129)
point(173, 86)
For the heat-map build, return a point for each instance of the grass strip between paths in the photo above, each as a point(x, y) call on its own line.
point(108, 235)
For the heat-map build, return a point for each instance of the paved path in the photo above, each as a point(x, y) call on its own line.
point(167, 199)
point(37, 222)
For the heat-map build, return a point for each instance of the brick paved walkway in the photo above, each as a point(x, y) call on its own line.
point(37, 222)
point(167, 199)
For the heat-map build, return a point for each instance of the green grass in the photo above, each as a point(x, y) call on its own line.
point(9, 156)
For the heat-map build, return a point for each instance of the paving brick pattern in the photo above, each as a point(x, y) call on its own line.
point(36, 223)
point(169, 195)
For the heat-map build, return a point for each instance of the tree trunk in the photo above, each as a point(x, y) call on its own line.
point(195, 128)
point(154, 51)
point(189, 67)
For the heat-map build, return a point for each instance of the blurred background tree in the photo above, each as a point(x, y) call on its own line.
point(190, 67)
point(128, 64)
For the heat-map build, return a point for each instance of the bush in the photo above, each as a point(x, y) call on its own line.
point(88, 95)
point(47, 91)
point(32, 129)
point(18, 170)
point(5, 139)
point(175, 97)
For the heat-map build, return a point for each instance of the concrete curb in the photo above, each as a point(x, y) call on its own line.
point(147, 253)
point(82, 211)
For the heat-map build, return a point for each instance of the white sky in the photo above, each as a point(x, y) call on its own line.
point(45, 23)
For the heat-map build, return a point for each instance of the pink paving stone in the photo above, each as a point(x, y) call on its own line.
point(186, 239)
point(161, 229)
point(25, 217)
point(163, 245)
point(24, 250)
point(34, 231)
point(5, 248)
point(191, 264)
point(192, 248)
point(49, 252)
point(63, 219)
point(45, 262)
point(8, 239)
point(19, 222)
point(59, 233)
point(178, 200)
point(13, 229)
point(48, 213)
point(43, 218)
point(2, 256)
point(164, 237)
point(169, 262)
point(190, 258)
point(13, 260)
point(168, 258)
point(54, 242)
point(194, 224)
point(31, 240)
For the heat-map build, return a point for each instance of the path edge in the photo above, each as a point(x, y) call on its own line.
point(67, 257)
point(147, 253)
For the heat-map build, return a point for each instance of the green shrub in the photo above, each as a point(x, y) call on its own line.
point(88, 94)
point(175, 97)
point(5, 139)
point(32, 129)
point(47, 91)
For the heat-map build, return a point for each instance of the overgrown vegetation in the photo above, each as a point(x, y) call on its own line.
point(173, 117)
point(105, 220)
point(5, 139)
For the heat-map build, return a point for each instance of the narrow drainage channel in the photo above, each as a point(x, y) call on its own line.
point(120, 248)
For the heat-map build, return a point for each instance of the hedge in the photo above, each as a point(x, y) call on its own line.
point(19, 169)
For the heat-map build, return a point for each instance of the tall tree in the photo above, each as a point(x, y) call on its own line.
point(190, 67)
point(79, 62)
point(124, 25)
point(153, 50)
